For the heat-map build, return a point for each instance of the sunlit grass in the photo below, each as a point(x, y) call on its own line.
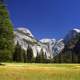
point(19, 71)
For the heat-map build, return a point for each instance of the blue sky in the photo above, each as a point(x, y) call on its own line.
point(45, 18)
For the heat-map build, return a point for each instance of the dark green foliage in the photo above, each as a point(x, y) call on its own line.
point(24, 56)
point(18, 55)
point(57, 59)
point(6, 34)
point(70, 54)
point(76, 50)
point(66, 56)
point(37, 59)
point(29, 54)
point(41, 58)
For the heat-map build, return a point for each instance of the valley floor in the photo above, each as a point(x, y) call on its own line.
point(21, 71)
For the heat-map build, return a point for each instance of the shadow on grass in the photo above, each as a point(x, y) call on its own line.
point(2, 64)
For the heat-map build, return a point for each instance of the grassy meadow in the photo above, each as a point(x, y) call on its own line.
point(21, 71)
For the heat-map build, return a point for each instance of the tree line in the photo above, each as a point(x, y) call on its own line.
point(69, 55)
point(66, 56)
point(27, 56)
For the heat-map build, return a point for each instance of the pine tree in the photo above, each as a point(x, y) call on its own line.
point(29, 54)
point(41, 58)
point(6, 34)
point(18, 55)
point(37, 59)
point(24, 56)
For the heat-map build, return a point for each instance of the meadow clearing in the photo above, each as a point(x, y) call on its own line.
point(21, 71)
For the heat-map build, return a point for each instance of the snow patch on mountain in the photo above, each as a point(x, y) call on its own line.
point(77, 30)
point(48, 40)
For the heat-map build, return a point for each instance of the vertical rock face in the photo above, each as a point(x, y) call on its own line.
point(59, 46)
point(49, 44)
point(24, 37)
point(54, 47)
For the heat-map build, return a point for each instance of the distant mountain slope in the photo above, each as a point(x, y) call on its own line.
point(71, 51)
point(51, 47)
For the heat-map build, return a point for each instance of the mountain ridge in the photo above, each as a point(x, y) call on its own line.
point(51, 47)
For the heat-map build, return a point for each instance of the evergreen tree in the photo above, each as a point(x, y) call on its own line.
point(76, 50)
point(41, 58)
point(29, 54)
point(6, 34)
point(25, 56)
point(45, 58)
point(18, 55)
point(37, 59)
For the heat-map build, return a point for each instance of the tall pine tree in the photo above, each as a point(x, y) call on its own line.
point(6, 34)
point(41, 58)
point(29, 54)
point(18, 55)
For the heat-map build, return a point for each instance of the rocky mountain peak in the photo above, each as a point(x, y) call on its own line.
point(24, 31)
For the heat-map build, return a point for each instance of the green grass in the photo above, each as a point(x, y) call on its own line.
point(20, 71)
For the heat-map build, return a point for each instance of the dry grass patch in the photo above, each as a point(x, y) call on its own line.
point(20, 71)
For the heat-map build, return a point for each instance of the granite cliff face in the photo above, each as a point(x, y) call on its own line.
point(24, 37)
point(51, 47)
